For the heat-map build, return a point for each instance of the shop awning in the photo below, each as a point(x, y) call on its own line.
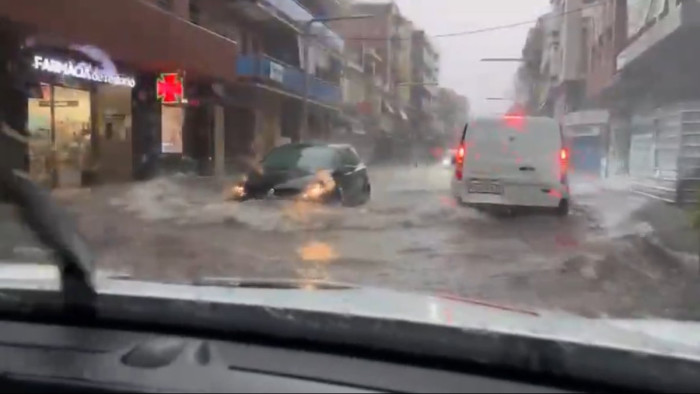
point(135, 32)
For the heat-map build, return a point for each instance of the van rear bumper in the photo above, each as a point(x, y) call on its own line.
point(514, 195)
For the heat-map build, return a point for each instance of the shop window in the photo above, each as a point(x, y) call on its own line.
point(40, 137)
point(59, 125)
point(172, 120)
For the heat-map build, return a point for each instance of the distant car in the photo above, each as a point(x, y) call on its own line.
point(448, 159)
point(315, 172)
point(513, 161)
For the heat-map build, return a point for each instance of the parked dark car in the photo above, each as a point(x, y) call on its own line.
point(317, 172)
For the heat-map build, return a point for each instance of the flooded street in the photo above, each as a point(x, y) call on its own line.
point(411, 237)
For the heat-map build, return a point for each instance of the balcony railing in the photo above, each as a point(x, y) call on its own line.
point(294, 12)
point(288, 77)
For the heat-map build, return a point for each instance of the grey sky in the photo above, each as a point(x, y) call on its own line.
point(460, 66)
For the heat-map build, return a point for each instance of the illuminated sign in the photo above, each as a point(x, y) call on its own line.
point(170, 88)
point(81, 70)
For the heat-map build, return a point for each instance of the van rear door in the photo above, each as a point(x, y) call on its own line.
point(514, 150)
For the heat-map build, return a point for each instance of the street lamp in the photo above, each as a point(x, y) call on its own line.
point(502, 59)
point(498, 99)
point(307, 76)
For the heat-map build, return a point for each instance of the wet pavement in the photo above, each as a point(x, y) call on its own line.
point(604, 259)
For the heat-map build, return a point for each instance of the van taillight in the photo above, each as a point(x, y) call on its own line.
point(459, 161)
point(564, 162)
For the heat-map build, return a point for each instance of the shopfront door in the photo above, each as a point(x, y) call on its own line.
point(60, 138)
point(72, 135)
point(113, 107)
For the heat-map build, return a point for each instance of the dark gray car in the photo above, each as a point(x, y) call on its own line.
point(318, 172)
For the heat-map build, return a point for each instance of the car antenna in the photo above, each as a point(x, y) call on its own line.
point(55, 228)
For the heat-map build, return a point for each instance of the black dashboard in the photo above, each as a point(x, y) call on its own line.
point(47, 357)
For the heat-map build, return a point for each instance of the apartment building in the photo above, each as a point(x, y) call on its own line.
point(425, 60)
point(386, 35)
point(656, 93)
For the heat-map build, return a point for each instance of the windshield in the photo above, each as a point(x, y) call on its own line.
point(574, 190)
point(308, 158)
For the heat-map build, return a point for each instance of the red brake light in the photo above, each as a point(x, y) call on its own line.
point(460, 153)
point(459, 161)
point(564, 162)
point(514, 121)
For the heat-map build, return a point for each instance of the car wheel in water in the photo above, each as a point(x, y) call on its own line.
point(366, 193)
point(563, 208)
point(344, 199)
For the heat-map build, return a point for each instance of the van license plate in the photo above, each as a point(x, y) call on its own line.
point(485, 187)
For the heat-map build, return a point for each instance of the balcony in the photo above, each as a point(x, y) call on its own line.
point(290, 13)
point(270, 71)
point(663, 33)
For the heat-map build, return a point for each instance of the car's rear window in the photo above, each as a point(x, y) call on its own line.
point(304, 157)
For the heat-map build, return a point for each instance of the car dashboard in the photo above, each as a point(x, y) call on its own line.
point(49, 357)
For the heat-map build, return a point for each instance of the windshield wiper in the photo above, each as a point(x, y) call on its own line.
point(53, 226)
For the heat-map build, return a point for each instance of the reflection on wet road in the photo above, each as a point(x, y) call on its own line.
point(411, 236)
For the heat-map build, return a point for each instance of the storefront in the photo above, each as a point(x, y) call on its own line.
point(79, 124)
point(587, 133)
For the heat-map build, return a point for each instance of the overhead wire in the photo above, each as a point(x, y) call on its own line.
point(474, 31)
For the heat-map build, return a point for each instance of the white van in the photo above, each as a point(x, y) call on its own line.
point(512, 161)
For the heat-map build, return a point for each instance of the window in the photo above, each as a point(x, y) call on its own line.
point(245, 47)
point(172, 120)
point(300, 157)
point(165, 4)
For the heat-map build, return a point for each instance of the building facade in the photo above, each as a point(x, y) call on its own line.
point(83, 101)
point(574, 44)
point(425, 73)
point(381, 36)
point(639, 69)
point(280, 42)
point(655, 91)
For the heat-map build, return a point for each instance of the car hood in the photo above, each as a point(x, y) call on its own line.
point(439, 310)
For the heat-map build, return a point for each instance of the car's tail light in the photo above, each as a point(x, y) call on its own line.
point(564, 163)
point(459, 160)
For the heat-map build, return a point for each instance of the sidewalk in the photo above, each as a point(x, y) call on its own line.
point(670, 223)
